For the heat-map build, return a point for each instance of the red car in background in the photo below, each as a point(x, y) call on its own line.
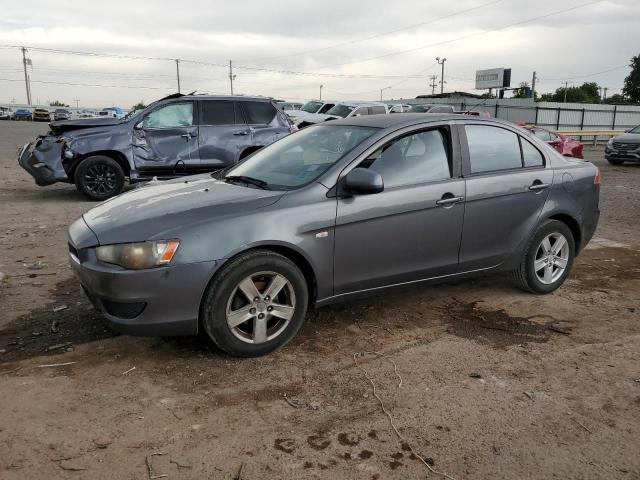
point(564, 145)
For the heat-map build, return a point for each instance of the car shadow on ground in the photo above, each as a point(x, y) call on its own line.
point(69, 320)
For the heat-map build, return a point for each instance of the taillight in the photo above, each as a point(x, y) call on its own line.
point(596, 178)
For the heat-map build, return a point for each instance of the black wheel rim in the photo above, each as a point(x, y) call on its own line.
point(100, 179)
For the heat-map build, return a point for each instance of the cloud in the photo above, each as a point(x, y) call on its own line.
point(583, 41)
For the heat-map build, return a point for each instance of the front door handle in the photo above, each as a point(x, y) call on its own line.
point(447, 200)
point(187, 135)
point(538, 186)
point(242, 132)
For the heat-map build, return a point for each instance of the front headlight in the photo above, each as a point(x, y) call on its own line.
point(140, 255)
point(610, 143)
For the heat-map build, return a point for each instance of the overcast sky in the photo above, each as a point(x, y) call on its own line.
point(333, 37)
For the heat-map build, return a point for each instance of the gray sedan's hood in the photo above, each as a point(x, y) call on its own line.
point(161, 210)
point(627, 138)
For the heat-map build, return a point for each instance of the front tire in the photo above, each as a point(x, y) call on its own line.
point(547, 260)
point(255, 304)
point(99, 178)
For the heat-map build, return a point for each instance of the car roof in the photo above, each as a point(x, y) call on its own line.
point(408, 119)
point(360, 104)
point(226, 97)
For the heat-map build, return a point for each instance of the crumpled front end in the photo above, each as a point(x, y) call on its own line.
point(42, 158)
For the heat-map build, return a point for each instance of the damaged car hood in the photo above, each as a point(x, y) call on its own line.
point(68, 125)
point(165, 208)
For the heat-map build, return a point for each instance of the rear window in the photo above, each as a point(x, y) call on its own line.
point(376, 110)
point(259, 112)
point(216, 112)
point(492, 148)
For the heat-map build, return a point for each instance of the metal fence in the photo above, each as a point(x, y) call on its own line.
point(552, 115)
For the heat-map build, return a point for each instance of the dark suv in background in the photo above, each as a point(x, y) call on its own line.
point(177, 135)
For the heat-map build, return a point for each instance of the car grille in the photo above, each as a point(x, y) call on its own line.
point(627, 147)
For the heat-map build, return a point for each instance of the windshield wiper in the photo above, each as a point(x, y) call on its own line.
point(249, 180)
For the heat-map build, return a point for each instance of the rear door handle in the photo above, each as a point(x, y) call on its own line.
point(187, 135)
point(536, 187)
point(242, 132)
point(449, 201)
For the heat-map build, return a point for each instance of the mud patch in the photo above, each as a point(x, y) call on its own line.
point(497, 327)
point(318, 442)
point(35, 333)
point(607, 268)
point(349, 439)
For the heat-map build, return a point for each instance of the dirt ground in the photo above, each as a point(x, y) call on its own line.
point(481, 380)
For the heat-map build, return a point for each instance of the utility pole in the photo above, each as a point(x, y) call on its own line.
point(178, 73)
point(433, 79)
point(26, 61)
point(382, 90)
point(533, 85)
point(76, 100)
point(566, 87)
point(441, 62)
point(321, 92)
point(604, 97)
point(232, 77)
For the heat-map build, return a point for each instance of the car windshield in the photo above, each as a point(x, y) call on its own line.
point(311, 107)
point(302, 157)
point(635, 130)
point(340, 110)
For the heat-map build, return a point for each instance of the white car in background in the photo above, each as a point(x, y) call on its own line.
point(398, 107)
point(310, 108)
point(344, 110)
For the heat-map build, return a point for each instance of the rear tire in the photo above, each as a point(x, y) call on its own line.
point(547, 260)
point(250, 327)
point(99, 178)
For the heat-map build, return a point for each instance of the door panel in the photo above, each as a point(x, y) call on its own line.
point(398, 235)
point(167, 138)
point(500, 213)
point(223, 133)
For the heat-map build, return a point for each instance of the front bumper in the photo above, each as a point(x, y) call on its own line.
point(161, 301)
point(626, 155)
point(43, 161)
point(41, 118)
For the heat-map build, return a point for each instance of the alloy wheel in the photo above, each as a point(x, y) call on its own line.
point(552, 258)
point(260, 307)
point(100, 179)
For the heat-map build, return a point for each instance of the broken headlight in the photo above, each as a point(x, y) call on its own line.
point(139, 255)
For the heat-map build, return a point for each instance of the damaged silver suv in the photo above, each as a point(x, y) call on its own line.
point(177, 135)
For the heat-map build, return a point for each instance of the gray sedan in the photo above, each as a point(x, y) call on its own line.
point(338, 210)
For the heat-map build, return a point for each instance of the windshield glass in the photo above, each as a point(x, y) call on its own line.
point(635, 130)
point(311, 107)
point(340, 110)
point(301, 157)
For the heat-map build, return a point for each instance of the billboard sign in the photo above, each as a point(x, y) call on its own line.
point(493, 78)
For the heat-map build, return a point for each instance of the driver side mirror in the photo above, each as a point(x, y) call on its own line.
point(363, 181)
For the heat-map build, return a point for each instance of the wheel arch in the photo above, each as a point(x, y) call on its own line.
point(573, 225)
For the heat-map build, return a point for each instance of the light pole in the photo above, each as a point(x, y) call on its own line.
point(321, 92)
point(382, 90)
point(441, 62)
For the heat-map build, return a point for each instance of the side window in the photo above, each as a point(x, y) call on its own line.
point(417, 158)
point(531, 155)
point(361, 111)
point(216, 112)
point(542, 135)
point(260, 113)
point(377, 110)
point(443, 109)
point(492, 148)
point(326, 107)
point(170, 116)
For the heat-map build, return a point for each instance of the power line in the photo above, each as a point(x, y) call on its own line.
point(87, 84)
point(586, 75)
point(378, 35)
point(472, 35)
